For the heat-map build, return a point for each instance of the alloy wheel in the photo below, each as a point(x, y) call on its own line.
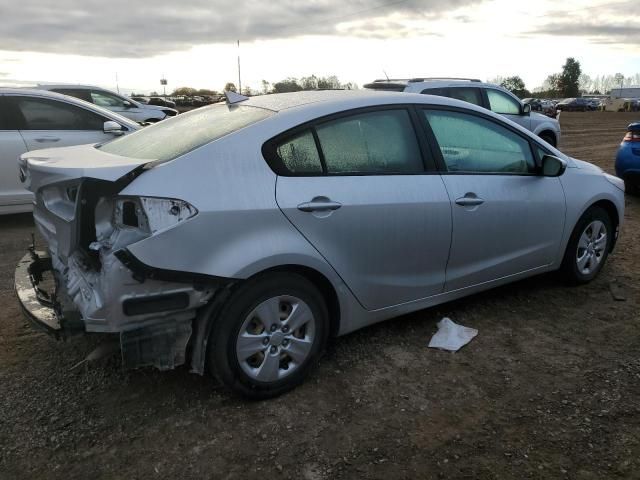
point(591, 247)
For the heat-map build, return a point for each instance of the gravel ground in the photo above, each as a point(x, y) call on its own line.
point(549, 389)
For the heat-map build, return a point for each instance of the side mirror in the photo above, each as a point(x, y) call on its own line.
point(112, 127)
point(553, 166)
point(127, 104)
point(526, 109)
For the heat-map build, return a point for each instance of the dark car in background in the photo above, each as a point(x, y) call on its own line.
point(161, 102)
point(574, 105)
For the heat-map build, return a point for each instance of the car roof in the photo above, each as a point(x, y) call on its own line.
point(345, 99)
point(69, 85)
point(418, 84)
point(36, 92)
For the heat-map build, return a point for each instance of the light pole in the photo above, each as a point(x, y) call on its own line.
point(239, 79)
point(163, 82)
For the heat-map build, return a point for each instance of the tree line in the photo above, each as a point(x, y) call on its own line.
point(568, 83)
point(289, 84)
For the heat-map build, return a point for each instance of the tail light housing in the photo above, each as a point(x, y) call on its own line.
point(633, 133)
point(150, 214)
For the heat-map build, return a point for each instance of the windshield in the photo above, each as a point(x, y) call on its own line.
point(176, 136)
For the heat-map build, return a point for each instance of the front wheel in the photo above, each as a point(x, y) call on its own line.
point(549, 138)
point(588, 246)
point(269, 335)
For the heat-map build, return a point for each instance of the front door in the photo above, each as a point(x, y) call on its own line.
point(11, 146)
point(506, 218)
point(48, 123)
point(367, 205)
point(504, 104)
point(118, 104)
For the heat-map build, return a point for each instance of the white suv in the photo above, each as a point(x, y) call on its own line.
point(487, 95)
point(127, 107)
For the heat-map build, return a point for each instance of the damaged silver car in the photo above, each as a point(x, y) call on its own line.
point(239, 237)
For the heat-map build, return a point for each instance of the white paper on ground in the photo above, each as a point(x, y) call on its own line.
point(451, 336)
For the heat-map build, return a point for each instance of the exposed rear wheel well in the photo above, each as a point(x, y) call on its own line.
point(325, 287)
point(612, 211)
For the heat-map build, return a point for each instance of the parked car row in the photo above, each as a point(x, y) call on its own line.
point(127, 107)
point(546, 107)
point(241, 246)
point(159, 101)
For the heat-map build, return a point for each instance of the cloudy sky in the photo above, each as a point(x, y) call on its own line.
point(193, 42)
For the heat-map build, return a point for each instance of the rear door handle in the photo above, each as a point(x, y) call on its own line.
point(319, 204)
point(47, 139)
point(469, 200)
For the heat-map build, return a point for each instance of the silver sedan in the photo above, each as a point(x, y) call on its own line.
point(242, 236)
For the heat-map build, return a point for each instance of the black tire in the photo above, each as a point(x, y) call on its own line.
point(631, 187)
point(569, 268)
point(221, 352)
point(548, 137)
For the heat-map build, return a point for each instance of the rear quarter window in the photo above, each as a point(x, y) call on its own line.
point(178, 135)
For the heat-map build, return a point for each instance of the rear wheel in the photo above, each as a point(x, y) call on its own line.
point(269, 335)
point(631, 186)
point(588, 246)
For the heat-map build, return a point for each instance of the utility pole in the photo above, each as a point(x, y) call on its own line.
point(117, 86)
point(239, 79)
point(163, 82)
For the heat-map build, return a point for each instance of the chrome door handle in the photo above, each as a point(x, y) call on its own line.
point(47, 139)
point(319, 205)
point(469, 200)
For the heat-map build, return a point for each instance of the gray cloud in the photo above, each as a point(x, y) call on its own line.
point(622, 33)
point(124, 28)
point(609, 23)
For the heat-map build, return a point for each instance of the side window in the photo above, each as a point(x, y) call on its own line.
point(300, 155)
point(104, 99)
point(373, 142)
point(441, 92)
point(467, 94)
point(45, 114)
point(502, 103)
point(472, 144)
point(3, 114)
point(79, 93)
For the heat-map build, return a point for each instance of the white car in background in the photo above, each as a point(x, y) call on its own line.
point(488, 95)
point(36, 119)
point(127, 107)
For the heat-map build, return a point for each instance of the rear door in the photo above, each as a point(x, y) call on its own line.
point(357, 188)
point(11, 146)
point(507, 219)
point(464, 93)
point(48, 123)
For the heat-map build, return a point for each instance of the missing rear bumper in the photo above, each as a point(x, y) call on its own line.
point(35, 288)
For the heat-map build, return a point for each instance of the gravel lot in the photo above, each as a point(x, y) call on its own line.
point(550, 388)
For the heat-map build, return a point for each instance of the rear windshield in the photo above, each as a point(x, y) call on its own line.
point(178, 135)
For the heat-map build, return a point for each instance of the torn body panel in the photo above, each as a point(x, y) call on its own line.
point(87, 228)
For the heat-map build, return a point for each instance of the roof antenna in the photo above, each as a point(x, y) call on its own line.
point(385, 74)
point(233, 97)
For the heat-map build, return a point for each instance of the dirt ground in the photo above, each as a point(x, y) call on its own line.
point(549, 389)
